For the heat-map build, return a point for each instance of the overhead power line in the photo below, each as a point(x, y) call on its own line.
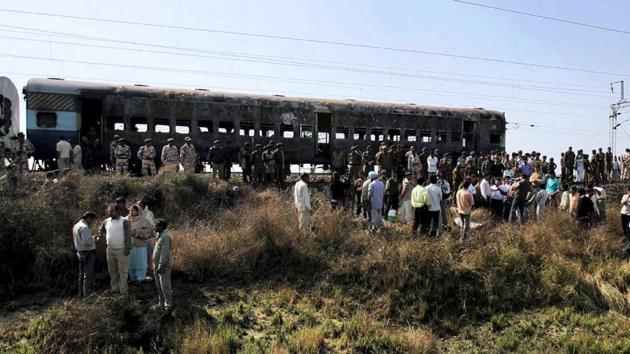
point(317, 41)
point(603, 28)
point(348, 67)
point(301, 62)
point(294, 80)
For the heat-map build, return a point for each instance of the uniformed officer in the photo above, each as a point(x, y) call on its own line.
point(22, 151)
point(146, 154)
point(112, 151)
point(354, 160)
point(122, 154)
point(244, 160)
point(338, 160)
point(188, 155)
point(368, 159)
point(170, 154)
point(216, 157)
point(258, 166)
point(270, 163)
point(280, 163)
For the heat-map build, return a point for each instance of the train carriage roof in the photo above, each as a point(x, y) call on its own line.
point(92, 89)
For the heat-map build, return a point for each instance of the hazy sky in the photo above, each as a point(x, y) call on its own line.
point(567, 107)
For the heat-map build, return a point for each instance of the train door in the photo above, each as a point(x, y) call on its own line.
point(469, 142)
point(324, 131)
point(92, 117)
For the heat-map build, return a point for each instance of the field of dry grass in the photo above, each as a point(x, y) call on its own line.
point(247, 281)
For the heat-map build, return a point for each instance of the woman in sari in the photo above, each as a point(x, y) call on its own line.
point(141, 232)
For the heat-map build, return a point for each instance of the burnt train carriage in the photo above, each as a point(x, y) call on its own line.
point(309, 128)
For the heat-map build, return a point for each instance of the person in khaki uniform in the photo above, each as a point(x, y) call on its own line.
point(170, 154)
point(146, 154)
point(122, 154)
point(258, 165)
point(112, 151)
point(22, 151)
point(244, 160)
point(188, 155)
point(162, 265)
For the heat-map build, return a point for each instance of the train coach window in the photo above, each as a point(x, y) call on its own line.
point(410, 135)
point(247, 129)
point(182, 127)
point(267, 130)
point(226, 128)
point(456, 136)
point(425, 136)
point(162, 126)
point(495, 139)
point(394, 134)
point(46, 119)
point(306, 131)
point(441, 136)
point(359, 133)
point(376, 135)
point(139, 124)
point(287, 131)
point(342, 133)
point(115, 123)
point(204, 126)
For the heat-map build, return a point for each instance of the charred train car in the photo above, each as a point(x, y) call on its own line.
point(310, 128)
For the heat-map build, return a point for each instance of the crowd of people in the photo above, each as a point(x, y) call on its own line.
point(138, 245)
point(428, 189)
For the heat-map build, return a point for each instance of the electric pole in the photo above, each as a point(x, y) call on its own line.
point(615, 107)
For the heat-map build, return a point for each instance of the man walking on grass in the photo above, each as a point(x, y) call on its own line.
point(465, 202)
point(162, 265)
point(302, 201)
point(376, 194)
point(117, 232)
point(85, 244)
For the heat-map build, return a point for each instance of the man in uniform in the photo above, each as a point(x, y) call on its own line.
point(569, 165)
point(258, 166)
point(231, 155)
point(188, 155)
point(270, 163)
point(146, 154)
point(594, 164)
point(170, 154)
point(112, 151)
point(278, 156)
point(216, 157)
point(244, 159)
point(384, 160)
point(609, 163)
point(122, 154)
point(354, 159)
point(368, 159)
point(22, 150)
point(338, 160)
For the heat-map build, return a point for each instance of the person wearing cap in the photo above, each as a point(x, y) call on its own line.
point(85, 245)
point(216, 157)
point(122, 154)
point(112, 151)
point(280, 165)
point(244, 160)
point(302, 202)
point(170, 154)
point(63, 153)
point(258, 165)
point(146, 154)
point(354, 160)
point(384, 160)
point(188, 156)
point(22, 151)
point(270, 164)
point(376, 195)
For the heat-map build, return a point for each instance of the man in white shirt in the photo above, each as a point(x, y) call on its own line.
point(485, 188)
point(432, 163)
point(85, 244)
point(77, 157)
point(302, 200)
point(435, 195)
point(63, 153)
point(117, 232)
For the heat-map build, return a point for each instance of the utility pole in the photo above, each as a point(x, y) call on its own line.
point(615, 107)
